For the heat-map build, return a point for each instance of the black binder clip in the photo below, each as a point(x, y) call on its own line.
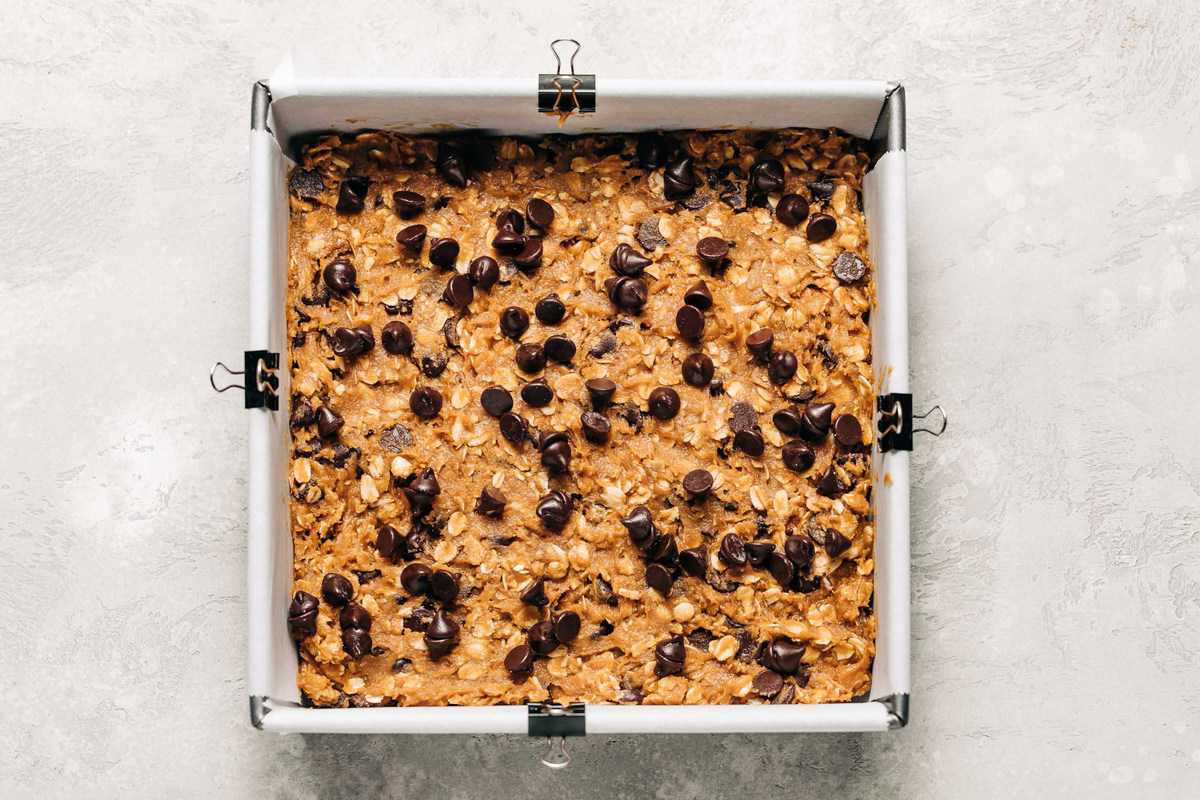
point(566, 93)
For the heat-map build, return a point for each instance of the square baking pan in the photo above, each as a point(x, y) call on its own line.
point(292, 105)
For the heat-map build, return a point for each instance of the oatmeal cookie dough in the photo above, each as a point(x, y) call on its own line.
point(581, 419)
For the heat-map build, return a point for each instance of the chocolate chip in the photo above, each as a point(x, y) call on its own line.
point(600, 392)
point(306, 184)
point(701, 638)
point(302, 413)
point(559, 349)
point(694, 561)
point(514, 321)
point(541, 638)
point(663, 549)
point(847, 431)
point(537, 393)
point(508, 241)
point(337, 589)
point(781, 367)
point(414, 579)
point(484, 272)
point(397, 338)
point(603, 346)
point(353, 342)
point(422, 492)
point(750, 442)
point(806, 585)
point(531, 357)
point(820, 227)
point(595, 426)
point(402, 665)
point(302, 616)
point(603, 592)
point(356, 642)
point(830, 484)
point(408, 204)
point(782, 569)
point(530, 256)
point(689, 320)
point(735, 199)
point(712, 251)
point(664, 403)
point(441, 636)
point(352, 194)
point(355, 616)
point(766, 177)
point(390, 543)
point(554, 510)
point(519, 662)
point(849, 268)
point(679, 179)
point(742, 417)
point(566, 626)
point(788, 421)
point(800, 550)
point(649, 236)
point(411, 238)
point(782, 655)
point(791, 210)
point(458, 292)
point(513, 427)
point(340, 276)
point(452, 163)
point(767, 683)
point(760, 343)
point(732, 550)
point(628, 262)
point(814, 424)
point(491, 502)
point(697, 369)
point(669, 657)
point(821, 189)
point(534, 594)
point(539, 213)
point(797, 456)
point(550, 310)
point(659, 579)
point(698, 296)
point(425, 402)
point(444, 586)
point(836, 543)
point(627, 294)
point(510, 220)
point(556, 452)
point(698, 483)
point(640, 525)
point(329, 422)
point(443, 253)
point(496, 400)
point(651, 150)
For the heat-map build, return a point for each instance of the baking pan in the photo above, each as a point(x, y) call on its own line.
point(295, 103)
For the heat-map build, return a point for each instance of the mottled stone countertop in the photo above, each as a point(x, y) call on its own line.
point(1055, 308)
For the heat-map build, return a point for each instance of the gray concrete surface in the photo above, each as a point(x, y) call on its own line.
point(1055, 243)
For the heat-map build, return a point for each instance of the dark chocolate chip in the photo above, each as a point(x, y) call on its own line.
point(600, 392)
point(627, 294)
point(357, 643)
point(530, 256)
point(541, 638)
point(531, 357)
point(491, 502)
point(554, 510)
point(820, 227)
point(444, 586)
point(694, 561)
point(800, 550)
point(484, 272)
point(659, 579)
point(712, 251)
point(696, 202)
point(353, 342)
point(306, 184)
point(535, 593)
point(830, 484)
point(537, 393)
point(663, 549)
point(689, 320)
point(411, 238)
point(628, 262)
point(603, 592)
point(508, 241)
point(422, 492)
point(402, 665)
point(556, 453)
point(669, 657)
point(750, 442)
point(698, 296)
point(821, 189)
point(355, 616)
point(566, 626)
point(329, 422)
point(640, 525)
point(340, 276)
point(352, 194)
point(783, 655)
point(679, 179)
point(649, 236)
point(425, 402)
point(697, 369)
point(452, 163)
point(519, 662)
point(698, 483)
point(651, 150)
point(664, 403)
point(781, 367)
point(559, 349)
point(760, 343)
point(788, 421)
point(732, 550)
point(806, 585)
point(302, 616)
point(397, 338)
point(442, 635)
point(847, 431)
point(302, 413)
point(514, 321)
point(849, 268)
point(443, 253)
point(458, 292)
point(434, 364)
point(408, 204)
point(791, 210)
point(757, 553)
point(513, 427)
point(814, 424)
point(337, 589)
point(390, 543)
point(742, 417)
point(496, 400)
point(767, 683)
point(781, 568)
point(701, 638)
point(797, 456)
point(539, 213)
point(550, 310)
point(596, 428)
point(766, 177)
point(510, 220)
point(414, 579)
